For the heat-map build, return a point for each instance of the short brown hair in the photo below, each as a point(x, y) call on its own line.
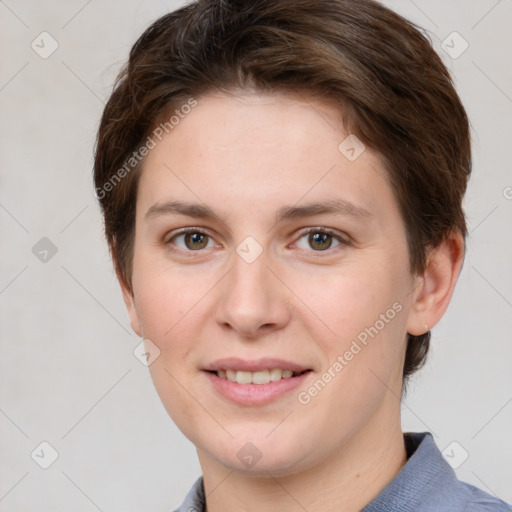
point(394, 92)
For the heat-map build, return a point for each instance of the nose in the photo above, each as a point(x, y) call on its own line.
point(252, 300)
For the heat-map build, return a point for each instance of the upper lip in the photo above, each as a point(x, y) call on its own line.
point(233, 363)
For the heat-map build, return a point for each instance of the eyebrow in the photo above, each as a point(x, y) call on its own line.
point(199, 211)
point(336, 206)
point(202, 211)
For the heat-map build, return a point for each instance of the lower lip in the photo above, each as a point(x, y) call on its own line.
point(255, 394)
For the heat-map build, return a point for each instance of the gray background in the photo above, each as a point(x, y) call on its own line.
point(67, 372)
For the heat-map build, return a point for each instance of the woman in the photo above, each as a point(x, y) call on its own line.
point(281, 184)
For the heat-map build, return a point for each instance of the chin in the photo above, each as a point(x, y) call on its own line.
point(260, 456)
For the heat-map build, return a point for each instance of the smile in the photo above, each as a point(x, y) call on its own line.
point(255, 382)
point(260, 377)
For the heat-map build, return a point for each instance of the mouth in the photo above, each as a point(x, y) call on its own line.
point(255, 382)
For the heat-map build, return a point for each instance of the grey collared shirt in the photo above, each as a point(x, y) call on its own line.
point(426, 483)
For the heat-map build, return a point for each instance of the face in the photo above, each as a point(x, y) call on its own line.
point(263, 249)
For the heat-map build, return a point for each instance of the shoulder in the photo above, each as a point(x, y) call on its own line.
point(445, 492)
point(453, 495)
point(476, 500)
point(427, 483)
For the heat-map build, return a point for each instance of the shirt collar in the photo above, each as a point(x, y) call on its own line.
point(425, 474)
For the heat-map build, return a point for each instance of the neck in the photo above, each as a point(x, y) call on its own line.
point(347, 481)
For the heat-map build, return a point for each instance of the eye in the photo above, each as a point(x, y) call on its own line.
point(319, 240)
point(191, 240)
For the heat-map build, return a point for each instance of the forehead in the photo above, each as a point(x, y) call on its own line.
point(254, 150)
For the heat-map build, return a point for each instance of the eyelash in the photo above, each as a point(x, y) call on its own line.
point(342, 241)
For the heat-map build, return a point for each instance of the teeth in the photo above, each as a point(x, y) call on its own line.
point(262, 377)
point(259, 377)
point(243, 377)
point(276, 374)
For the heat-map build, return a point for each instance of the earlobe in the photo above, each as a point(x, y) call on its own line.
point(434, 289)
point(130, 306)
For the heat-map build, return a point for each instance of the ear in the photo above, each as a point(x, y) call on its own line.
point(130, 304)
point(434, 288)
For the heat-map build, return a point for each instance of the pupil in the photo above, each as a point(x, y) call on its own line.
point(321, 241)
point(197, 240)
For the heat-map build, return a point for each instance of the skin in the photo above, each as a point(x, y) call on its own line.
point(245, 156)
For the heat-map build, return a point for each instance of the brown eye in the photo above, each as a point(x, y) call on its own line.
point(191, 240)
point(320, 241)
point(196, 241)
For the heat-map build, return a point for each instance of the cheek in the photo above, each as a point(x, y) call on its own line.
point(171, 306)
point(363, 359)
point(348, 300)
point(168, 307)
point(165, 296)
point(364, 308)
